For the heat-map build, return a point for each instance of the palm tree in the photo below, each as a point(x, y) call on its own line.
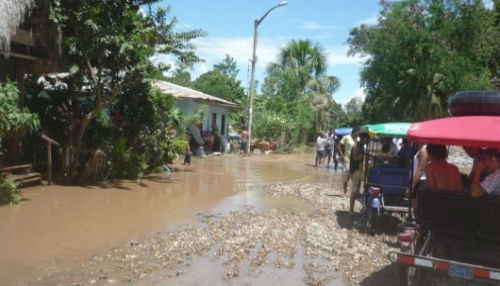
point(309, 62)
point(303, 55)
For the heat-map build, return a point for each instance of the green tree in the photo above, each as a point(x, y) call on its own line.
point(297, 85)
point(353, 114)
point(420, 53)
point(11, 117)
point(222, 82)
point(181, 77)
point(108, 45)
point(227, 67)
point(220, 85)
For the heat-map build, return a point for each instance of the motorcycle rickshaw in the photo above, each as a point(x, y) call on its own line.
point(453, 234)
point(385, 179)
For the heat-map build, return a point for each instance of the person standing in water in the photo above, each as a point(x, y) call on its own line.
point(244, 143)
point(187, 158)
point(347, 142)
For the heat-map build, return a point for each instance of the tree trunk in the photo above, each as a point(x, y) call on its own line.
point(281, 142)
point(90, 166)
point(75, 158)
point(79, 139)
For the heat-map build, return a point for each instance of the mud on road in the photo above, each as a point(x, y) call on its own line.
point(319, 245)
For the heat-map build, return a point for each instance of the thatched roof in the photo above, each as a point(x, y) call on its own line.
point(12, 14)
point(30, 42)
point(198, 96)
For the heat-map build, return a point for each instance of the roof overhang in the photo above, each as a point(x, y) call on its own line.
point(182, 92)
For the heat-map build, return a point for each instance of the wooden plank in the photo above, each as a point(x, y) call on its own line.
point(49, 140)
point(24, 37)
point(23, 177)
point(17, 167)
point(21, 56)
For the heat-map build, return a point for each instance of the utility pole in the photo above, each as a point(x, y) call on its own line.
point(252, 79)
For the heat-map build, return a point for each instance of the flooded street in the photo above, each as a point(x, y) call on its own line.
point(57, 228)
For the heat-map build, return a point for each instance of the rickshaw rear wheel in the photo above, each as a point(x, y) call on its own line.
point(371, 219)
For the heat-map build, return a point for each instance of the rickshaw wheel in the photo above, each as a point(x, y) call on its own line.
point(371, 219)
point(408, 275)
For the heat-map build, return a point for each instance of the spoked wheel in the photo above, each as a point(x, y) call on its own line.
point(408, 275)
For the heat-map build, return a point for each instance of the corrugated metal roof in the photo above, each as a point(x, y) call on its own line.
point(184, 92)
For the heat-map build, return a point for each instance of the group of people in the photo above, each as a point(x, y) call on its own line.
point(326, 149)
point(430, 168)
point(432, 171)
point(347, 150)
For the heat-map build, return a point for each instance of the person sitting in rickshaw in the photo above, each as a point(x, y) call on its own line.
point(389, 147)
point(440, 174)
point(405, 154)
point(490, 184)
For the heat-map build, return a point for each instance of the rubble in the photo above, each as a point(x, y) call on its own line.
point(323, 242)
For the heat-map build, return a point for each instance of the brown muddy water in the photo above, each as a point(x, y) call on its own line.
point(56, 228)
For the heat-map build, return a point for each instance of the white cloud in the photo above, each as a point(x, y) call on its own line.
point(338, 56)
point(488, 4)
point(359, 92)
point(240, 48)
point(310, 25)
point(372, 20)
point(201, 68)
point(183, 27)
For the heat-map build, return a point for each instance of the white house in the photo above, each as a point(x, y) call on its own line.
point(191, 101)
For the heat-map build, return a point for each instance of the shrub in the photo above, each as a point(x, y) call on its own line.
point(125, 162)
point(8, 193)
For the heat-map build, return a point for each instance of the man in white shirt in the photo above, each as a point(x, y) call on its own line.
point(320, 149)
point(490, 184)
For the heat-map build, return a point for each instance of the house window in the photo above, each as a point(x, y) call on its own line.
point(214, 120)
point(223, 124)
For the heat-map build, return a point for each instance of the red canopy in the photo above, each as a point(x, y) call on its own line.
point(469, 131)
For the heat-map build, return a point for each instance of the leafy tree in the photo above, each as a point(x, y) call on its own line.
point(220, 85)
point(108, 45)
point(353, 108)
point(308, 60)
point(180, 77)
point(222, 82)
point(11, 117)
point(227, 67)
point(420, 53)
point(297, 85)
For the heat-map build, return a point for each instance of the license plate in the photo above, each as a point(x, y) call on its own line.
point(461, 271)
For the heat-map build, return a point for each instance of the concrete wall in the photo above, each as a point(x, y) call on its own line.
point(188, 106)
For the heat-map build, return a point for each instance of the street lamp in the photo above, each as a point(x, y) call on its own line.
point(254, 60)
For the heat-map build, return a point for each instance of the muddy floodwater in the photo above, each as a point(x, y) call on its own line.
point(57, 228)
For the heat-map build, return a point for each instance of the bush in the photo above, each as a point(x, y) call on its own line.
point(8, 193)
point(125, 162)
point(179, 145)
point(174, 147)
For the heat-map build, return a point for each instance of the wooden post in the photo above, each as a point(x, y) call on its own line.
point(49, 163)
point(50, 141)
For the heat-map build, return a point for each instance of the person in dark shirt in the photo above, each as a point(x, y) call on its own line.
point(405, 154)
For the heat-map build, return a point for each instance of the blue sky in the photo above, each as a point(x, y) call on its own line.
point(229, 24)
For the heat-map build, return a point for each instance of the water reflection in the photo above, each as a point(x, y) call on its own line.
point(58, 227)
